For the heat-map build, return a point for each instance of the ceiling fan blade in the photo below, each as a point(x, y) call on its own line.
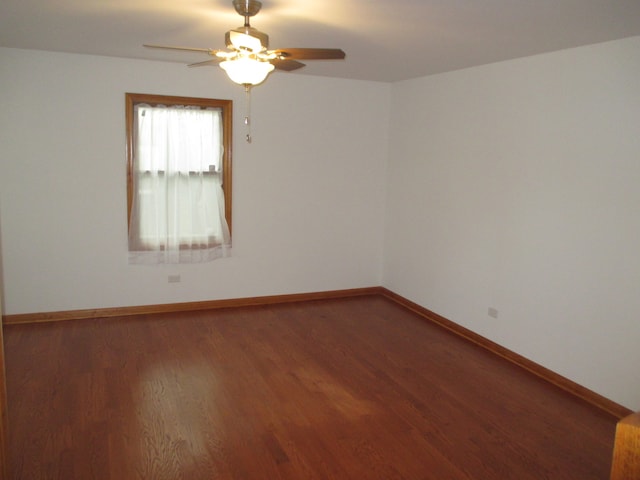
point(310, 53)
point(188, 49)
point(214, 61)
point(286, 64)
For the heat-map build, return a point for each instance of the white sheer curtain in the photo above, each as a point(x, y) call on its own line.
point(177, 213)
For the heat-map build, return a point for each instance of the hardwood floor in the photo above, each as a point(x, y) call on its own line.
point(354, 388)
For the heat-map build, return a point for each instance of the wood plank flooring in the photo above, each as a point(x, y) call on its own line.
point(355, 388)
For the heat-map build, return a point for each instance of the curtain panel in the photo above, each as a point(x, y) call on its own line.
point(178, 213)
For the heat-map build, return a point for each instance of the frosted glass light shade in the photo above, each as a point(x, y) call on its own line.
point(247, 71)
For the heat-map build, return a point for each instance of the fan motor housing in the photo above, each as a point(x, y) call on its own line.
point(250, 31)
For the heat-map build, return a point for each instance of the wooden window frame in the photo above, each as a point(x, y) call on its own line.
point(226, 107)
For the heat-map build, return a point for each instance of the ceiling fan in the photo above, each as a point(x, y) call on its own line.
point(248, 59)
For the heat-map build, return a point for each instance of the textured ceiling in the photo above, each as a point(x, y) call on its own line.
point(385, 40)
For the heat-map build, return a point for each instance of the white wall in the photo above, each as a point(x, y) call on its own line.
point(308, 194)
point(516, 186)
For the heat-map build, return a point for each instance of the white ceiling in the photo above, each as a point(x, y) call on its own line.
point(385, 40)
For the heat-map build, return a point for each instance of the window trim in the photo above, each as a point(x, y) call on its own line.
point(226, 106)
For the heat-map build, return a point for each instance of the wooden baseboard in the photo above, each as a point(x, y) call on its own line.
point(573, 388)
point(184, 307)
point(564, 383)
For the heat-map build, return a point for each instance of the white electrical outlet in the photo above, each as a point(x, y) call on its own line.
point(174, 278)
point(492, 312)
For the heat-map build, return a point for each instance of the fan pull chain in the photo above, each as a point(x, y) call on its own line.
point(247, 117)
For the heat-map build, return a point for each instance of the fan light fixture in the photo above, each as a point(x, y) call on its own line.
point(248, 60)
point(246, 70)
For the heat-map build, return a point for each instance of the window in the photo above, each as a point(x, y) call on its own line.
point(178, 178)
